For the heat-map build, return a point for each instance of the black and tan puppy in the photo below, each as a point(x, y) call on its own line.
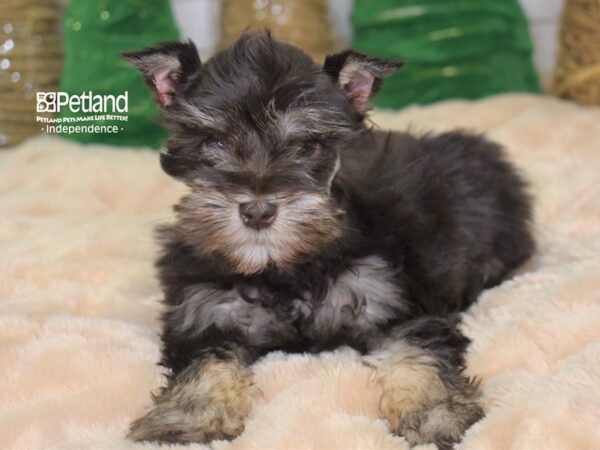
point(305, 230)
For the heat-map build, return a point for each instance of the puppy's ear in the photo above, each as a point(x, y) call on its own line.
point(359, 75)
point(169, 68)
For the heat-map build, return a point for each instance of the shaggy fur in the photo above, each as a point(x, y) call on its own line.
point(79, 301)
point(209, 400)
point(375, 252)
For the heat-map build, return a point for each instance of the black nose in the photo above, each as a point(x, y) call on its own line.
point(258, 215)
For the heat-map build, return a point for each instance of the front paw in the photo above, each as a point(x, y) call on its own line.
point(427, 401)
point(442, 423)
point(205, 402)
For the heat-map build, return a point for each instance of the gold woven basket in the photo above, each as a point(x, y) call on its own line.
point(30, 61)
point(303, 23)
point(577, 74)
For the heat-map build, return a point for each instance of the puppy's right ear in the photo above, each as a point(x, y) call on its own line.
point(169, 68)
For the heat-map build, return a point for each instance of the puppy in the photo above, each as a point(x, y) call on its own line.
point(304, 230)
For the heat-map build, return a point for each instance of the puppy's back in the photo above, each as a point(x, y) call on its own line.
point(451, 204)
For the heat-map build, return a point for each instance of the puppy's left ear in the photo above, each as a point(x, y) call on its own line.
point(169, 68)
point(359, 75)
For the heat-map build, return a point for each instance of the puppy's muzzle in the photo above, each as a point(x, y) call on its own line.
point(258, 215)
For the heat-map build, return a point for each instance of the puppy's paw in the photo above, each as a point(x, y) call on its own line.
point(205, 402)
point(442, 423)
point(423, 398)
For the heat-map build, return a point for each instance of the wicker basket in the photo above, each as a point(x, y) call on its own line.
point(303, 23)
point(577, 74)
point(30, 61)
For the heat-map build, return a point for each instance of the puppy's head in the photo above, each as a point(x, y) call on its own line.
point(257, 135)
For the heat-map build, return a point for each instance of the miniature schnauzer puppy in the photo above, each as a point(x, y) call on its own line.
point(304, 230)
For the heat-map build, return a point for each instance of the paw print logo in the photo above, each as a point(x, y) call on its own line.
point(46, 102)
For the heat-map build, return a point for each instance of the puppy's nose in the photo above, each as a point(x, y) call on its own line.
point(258, 215)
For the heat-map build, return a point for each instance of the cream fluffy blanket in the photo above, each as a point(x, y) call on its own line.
point(79, 301)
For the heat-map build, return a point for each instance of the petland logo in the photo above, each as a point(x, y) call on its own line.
point(98, 109)
point(87, 102)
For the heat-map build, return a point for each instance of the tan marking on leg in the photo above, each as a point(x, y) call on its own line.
point(209, 400)
point(418, 401)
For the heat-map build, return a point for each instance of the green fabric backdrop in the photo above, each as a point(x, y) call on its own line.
point(452, 48)
point(96, 33)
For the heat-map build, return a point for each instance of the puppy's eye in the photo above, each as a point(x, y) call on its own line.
point(213, 144)
point(310, 149)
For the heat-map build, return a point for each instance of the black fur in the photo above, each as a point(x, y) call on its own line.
point(406, 234)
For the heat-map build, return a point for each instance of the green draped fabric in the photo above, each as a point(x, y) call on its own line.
point(452, 48)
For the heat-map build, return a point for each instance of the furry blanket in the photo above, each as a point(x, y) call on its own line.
point(79, 301)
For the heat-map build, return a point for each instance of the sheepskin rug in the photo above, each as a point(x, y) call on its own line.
point(79, 301)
